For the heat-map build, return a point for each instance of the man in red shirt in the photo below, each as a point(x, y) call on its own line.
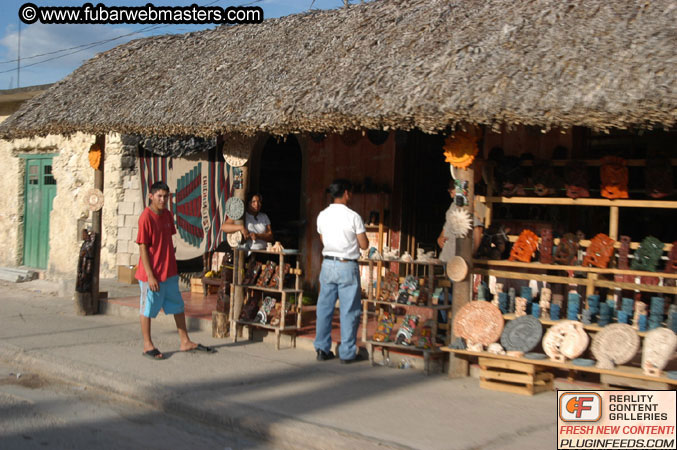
point(158, 274)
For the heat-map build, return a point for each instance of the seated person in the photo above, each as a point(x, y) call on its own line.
point(256, 229)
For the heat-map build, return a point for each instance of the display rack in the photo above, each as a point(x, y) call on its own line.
point(283, 327)
point(421, 269)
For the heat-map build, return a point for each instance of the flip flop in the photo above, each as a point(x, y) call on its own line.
point(154, 354)
point(202, 348)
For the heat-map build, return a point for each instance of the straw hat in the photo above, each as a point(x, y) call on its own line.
point(457, 269)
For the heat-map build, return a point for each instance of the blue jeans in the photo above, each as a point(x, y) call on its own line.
point(342, 280)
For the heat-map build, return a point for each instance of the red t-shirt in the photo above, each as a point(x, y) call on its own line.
point(156, 230)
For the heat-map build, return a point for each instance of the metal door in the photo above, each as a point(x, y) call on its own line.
point(40, 191)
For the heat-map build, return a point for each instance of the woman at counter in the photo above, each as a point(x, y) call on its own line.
point(256, 229)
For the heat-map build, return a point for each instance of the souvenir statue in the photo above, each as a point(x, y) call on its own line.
point(658, 174)
point(385, 326)
point(623, 253)
point(525, 247)
point(493, 244)
point(599, 252)
point(576, 180)
point(249, 310)
point(544, 302)
point(545, 248)
point(522, 334)
point(511, 176)
point(659, 347)
point(567, 250)
point(263, 316)
point(520, 306)
point(425, 336)
point(671, 265)
point(86, 262)
point(565, 340)
point(496, 349)
point(648, 254)
point(640, 310)
point(614, 176)
point(544, 179)
point(407, 329)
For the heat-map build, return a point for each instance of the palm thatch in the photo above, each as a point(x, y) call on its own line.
point(383, 64)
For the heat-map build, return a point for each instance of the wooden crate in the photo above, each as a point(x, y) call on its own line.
point(620, 382)
point(196, 286)
point(515, 377)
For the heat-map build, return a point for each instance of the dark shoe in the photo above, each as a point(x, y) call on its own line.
point(324, 356)
point(357, 358)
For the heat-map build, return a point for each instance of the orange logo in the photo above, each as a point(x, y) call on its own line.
point(580, 406)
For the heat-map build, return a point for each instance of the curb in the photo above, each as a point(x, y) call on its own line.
point(280, 430)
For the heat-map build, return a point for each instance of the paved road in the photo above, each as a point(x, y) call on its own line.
point(36, 413)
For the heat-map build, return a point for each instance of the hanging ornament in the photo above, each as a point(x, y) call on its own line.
point(460, 149)
point(95, 156)
point(458, 223)
point(93, 199)
point(237, 148)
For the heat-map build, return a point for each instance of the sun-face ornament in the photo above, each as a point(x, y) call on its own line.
point(460, 149)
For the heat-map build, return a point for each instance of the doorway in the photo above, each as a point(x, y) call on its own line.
point(279, 183)
point(40, 189)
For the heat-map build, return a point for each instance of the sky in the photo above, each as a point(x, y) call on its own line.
point(65, 47)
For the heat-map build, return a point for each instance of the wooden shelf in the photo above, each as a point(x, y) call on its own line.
point(580, 202)
point(403, 305)
point(399, 261)
point(596, 162)
point(267, 289)
point(540, 266)
point(283, 252)
point(433, 350)
point(623, 371)
point(266, 326)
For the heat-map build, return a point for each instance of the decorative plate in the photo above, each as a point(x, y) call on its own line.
point(479, 322)
point(234, 239)
point(93, 199)
point(566, 338)
point(236, 149)
point(235, 208)
point(457, 269)
point(522, 334)
point(615, 344)
point(583, 362)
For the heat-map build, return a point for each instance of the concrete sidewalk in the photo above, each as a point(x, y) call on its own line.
point(283, 397)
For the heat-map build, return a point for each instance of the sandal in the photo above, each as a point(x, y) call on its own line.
point(154, 354)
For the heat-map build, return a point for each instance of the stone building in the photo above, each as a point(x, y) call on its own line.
point(54, 170)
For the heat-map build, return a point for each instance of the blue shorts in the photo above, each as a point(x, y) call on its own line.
point(168, 298)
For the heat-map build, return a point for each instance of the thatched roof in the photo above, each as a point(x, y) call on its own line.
point(392, 64)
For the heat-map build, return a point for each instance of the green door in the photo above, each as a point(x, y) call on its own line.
point(40, 192)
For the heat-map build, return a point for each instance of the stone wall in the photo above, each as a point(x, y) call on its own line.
point(74, 177)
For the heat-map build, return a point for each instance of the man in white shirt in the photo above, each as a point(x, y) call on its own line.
point(343, 235)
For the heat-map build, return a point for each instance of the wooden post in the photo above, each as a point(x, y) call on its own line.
point(97, 226)
point(613, 222)
point(458, 367)
point(239, 267)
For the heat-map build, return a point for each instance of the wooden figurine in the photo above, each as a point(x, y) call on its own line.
point(544, 303)
point(623, 252)
point(565, 340)
point(545, 248)
point(599, 252)
point(520, 306)
point(567, 250)
point(525, 247)
point(671, 265)
point(648, 254)
point(614, 176)
point(576, 180)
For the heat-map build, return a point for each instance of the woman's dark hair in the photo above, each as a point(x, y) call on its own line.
point(252, 195)
point(338, 187)
point(158, 186)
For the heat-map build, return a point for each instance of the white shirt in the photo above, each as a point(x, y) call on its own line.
point(339, 227)
point(258, 225)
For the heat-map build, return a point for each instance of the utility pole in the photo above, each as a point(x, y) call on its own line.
point(18, 58)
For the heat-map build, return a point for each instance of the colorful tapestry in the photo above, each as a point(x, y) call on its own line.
point(200, 184)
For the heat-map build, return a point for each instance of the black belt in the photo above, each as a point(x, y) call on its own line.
point(336, 258)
